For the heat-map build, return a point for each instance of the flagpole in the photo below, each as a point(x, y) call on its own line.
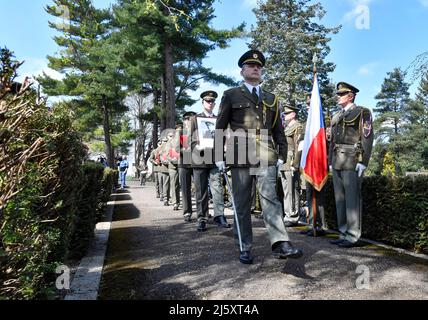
point(314, 201)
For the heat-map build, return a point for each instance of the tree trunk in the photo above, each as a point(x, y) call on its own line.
point(163, 104)
point(155, 122)
point(169, 86)
point(107, 140)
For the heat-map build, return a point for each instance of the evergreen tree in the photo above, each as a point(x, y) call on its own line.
point(289, 35)
point(167, 41)
point(393, 99)
point(414, 139)
point(91, 64)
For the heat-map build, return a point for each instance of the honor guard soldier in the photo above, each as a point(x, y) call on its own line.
point(163, 172)
point(250, 109)
point(204, 169)
point(290, 177)
point(349, 154)
point(184, 166)
point(155, 163)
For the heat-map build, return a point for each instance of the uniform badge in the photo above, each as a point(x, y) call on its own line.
point(367, 127)
point(255, 56)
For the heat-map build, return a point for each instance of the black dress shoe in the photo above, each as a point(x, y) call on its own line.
point(319, 233)
point(346, 244)
point(175, 208)
point(202, 226)
point(221, 222)
point(245, 257)
point(187, 218)
point(166, 203)
point(288, 224)
point(337, 242)
point(285, 250)
point(161, 199)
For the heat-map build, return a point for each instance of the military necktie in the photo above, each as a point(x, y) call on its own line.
point(255, 95)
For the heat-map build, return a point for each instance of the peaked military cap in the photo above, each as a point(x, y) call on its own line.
point(346, 87)
point(209, 95)
point(189, 114)
point(290, 109)
point(252, 57)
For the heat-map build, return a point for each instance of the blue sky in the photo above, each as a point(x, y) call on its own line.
point(376, 36)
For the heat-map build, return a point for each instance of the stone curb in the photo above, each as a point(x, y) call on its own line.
point(87, 279)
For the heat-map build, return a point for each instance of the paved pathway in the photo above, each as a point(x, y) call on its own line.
point(153, 254)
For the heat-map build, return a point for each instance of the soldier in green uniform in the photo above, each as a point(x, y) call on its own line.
point(155, 170)
point(204, 169)
point(163, 172)
point(184, 166)
point(173, 157)
point(252, 114)
point(350, 150)
point(290, 176)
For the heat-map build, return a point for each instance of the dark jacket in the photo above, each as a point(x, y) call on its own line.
point(240, 111)
point(351, 138)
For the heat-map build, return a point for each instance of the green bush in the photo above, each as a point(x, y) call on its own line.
point(395, 211)
point(108, 183)
point(49, 200)
point(86, 216)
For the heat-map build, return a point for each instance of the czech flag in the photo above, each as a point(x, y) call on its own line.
point(313, 164)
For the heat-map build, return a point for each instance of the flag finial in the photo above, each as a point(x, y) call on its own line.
point(315, 61)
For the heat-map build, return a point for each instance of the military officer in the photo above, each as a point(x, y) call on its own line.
point(172, 157)
point(290, 176)
point(349, 154)
point(253, 112)
point(155, 170)
point(163, 171)
point(184, 166)
point(204, 169)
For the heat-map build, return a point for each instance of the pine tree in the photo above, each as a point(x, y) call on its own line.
point(91, 64)
point(168, 41)
point(288, 35)
point(414, 139)
point(389, 124)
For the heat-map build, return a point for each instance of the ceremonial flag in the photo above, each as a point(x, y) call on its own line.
point(313, 163)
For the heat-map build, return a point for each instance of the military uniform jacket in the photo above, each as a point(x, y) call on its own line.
point(351, 138)
point(240, 110)
point(294, 135)
point(158, 156)
point(200, 158)
point(152, 159)
point(185, 158)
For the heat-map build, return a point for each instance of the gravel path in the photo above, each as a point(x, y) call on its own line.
point(153, 254)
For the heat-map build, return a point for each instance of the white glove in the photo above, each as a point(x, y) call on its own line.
point(292, 169)
point(198, 147)
point(330, 168)
point(279, 163)
point(221, 165)
point(360, 168)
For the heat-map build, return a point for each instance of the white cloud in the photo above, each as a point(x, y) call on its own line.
point(249, 3)
point(34, 67)
point(424, 3)
point(367, 69)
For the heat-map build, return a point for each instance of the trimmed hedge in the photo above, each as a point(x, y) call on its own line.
point(395, 211)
